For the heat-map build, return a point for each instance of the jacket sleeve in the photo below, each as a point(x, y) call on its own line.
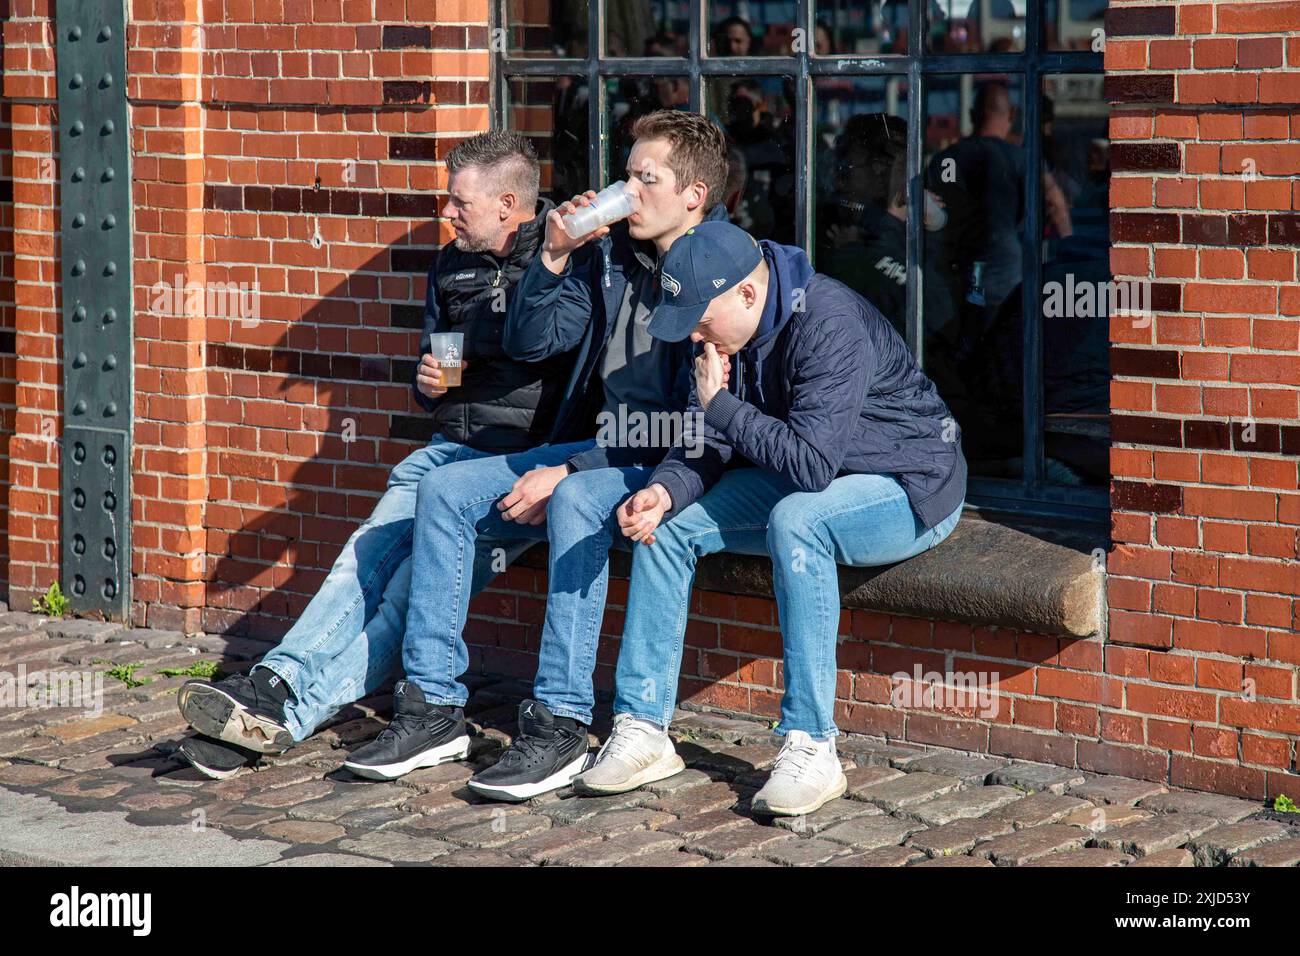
point(828, 380)
point(548, 313)
point(696, 463)
point(434, 321)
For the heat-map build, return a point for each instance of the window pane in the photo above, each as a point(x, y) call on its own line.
point(545, 28)
point(647, 27)
point(861, 28)
point(630, 97)
point(741, 28)
point(860, 172)
point(973, 249)
point(758, 116)
point(1076, 273)
point(976, 26)
point(1073, 24)
point(552, 113)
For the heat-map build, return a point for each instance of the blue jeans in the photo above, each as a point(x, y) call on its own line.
point(457, 517)
point(347, 641)
point(859, 520)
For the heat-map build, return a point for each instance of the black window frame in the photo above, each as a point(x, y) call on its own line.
point(1031, 495)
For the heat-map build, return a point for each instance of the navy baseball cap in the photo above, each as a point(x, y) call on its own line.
point(705, 261)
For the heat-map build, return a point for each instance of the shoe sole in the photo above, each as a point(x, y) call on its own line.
point(457, 749)
point(515, 793)
point(214, 713)
point(661, 769)
point(211, 773)
point(767, 809)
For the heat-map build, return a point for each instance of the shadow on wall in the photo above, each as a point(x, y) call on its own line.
point(304, 427)
point(8, 337)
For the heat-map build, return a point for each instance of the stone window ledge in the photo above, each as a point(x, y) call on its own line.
point(1037, 578)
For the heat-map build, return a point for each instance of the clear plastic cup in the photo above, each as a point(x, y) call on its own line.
point(616, 201)
point(447, 349)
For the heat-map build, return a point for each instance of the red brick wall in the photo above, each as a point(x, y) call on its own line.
point(7, 335)
point(260, 441)
point(32, 406)
point(1203, 581)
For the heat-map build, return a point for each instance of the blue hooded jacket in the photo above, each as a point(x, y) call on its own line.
point(550, 314)
point(829, 389)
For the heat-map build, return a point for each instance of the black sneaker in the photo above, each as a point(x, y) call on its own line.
point(547, 753)
point(419, 735)
point(215, 759)
point(246, 710)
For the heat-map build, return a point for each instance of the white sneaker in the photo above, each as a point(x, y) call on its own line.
point(637, 752)
point(806, 774)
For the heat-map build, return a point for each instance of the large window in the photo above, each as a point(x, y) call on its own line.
point(948, 159)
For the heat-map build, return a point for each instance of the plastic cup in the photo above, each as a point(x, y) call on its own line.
point(447, 349)
point(616, 201)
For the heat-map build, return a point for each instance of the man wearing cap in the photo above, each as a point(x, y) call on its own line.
point(855, 460)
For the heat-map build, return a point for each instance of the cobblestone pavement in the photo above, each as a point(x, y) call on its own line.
point(104, 788)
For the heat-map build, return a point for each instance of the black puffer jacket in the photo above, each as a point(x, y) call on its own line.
point(502, 405)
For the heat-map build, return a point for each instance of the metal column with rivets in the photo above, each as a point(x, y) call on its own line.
point(98, 367)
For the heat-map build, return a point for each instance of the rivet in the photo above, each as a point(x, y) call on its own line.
point(74, 33)
point(108, 174)
point(110, 269)
point(110, 363)
point(79, 220)
point(110, 315)
point(80, 407)
point(78, 267)
point(77, 127)
point(76, 81)
point(110, 221)
point(106, 81)
point(105, 33)
point(78, 498)
point(79, 585)
point(78, 174)
point(107, 128)
point(79, 360)
point(110, 409)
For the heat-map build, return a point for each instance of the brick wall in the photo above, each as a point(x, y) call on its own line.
point(296, 147)
point(32, 405)
point(6, 329)
point(1203, 579)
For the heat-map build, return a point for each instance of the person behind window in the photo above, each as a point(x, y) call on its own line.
point(628, 25)
point(733, 37)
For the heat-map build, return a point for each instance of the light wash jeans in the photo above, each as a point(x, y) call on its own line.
point(456, 518)
point(348, 640)
point(859, 520)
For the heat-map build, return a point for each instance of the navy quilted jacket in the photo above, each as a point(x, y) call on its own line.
point(830, 389)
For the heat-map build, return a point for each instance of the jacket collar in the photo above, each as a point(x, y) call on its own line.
point(529, 235)
point(790, 272)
